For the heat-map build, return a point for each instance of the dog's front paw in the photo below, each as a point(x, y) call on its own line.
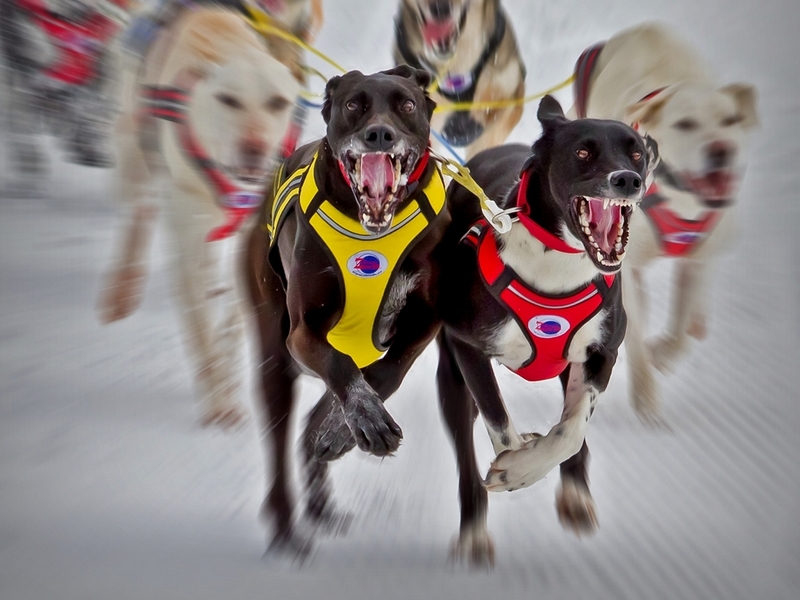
point(122, 295)
point(576, 509)
point(224, 415)
point(473, 547)
point(664, 352)
point(333, 439)
point(371, 424)
point(515, 469)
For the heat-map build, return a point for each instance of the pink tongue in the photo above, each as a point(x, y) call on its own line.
point(377, 176)
point(604, 224)
point(437, 30)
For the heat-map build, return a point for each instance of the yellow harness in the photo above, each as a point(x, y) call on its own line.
point(367, 263)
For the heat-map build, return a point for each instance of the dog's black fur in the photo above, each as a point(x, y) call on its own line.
point(472, 315)
point(298, 300)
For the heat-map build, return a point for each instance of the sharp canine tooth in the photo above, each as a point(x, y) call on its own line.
point(599, 256)
point(605, 203)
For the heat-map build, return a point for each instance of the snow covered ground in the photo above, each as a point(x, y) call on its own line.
point(110, 489)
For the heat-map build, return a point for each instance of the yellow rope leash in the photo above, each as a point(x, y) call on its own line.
point(262, 23)
point(464, 106)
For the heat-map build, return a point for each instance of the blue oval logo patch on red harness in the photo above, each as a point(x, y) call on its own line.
point(548, 326)
point(367, 263)
point(243, 199)
point(685, 237)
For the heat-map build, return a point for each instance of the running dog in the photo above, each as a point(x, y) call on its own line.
point(207, 111)
point(542, 298)
point(343, 281)
point(650, 78)
point(470, 49)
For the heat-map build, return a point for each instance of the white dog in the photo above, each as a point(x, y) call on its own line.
point(224, 105)
point(653, 80)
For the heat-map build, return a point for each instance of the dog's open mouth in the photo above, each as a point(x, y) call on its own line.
point(716, 188)
point(441, 35)
point(604, 224)
point(379, 181)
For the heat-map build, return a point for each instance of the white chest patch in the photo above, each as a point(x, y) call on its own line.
point(511, 346)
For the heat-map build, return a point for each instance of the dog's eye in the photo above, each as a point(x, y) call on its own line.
point(686, 125)
point(732, 120)
point(408, 106)
point(352, 106)
point(636, 155)
point(229, 101)
point(277, 103)
point(582, 153)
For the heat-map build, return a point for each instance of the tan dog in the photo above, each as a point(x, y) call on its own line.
point(231, 102)
point(470, 48)
point(653, 80)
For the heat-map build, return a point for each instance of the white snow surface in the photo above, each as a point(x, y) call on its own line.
point(109, 488)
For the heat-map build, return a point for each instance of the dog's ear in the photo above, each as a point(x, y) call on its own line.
point(419, 76)
point(330, 90)
point(550, 112)
point(648, 110)
point(745, 97)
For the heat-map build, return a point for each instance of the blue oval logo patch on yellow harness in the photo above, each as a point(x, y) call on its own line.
point(367, 263)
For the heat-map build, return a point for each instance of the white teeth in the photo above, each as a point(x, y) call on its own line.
point(605, 203)
point(599, 256)
point(396, 176)
point(586, 230)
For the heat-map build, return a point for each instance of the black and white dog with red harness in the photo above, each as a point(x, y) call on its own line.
point(542, 298)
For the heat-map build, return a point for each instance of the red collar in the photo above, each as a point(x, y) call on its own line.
point(540, 233)
point(415, 175)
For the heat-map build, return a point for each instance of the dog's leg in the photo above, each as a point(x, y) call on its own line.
point(277, 372)
point(514, 469)
point(123, 285)
point(698, 327)
point(574, 502)
point(673, 343)
point(195, 267)
point(642, 383)
point(474, 543)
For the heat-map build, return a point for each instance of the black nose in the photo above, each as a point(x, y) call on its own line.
point(625, 183)
point(380, 138)
point(719, 155)
point(440, 9)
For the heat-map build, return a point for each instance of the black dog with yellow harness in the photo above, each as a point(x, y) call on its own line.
point(343, 278)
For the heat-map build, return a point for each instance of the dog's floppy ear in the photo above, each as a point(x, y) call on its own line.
point(648, 110)
point(330, 90)
point(550, 112)
point(745, 97)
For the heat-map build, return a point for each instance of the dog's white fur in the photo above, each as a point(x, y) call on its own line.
point(633, 64)
point(233, 63)
point(523, 459)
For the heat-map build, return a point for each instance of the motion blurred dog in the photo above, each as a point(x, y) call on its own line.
point(343, 283)
point(206, 113)
point(543, 299)
point(470, 48)
point(650, 78)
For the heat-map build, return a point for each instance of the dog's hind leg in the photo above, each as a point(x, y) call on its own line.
point(278, 372)
point(474, 543)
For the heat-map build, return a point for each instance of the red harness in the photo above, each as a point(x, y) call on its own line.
point(678, 236)
point(79, 44)
point(549, 321)
point(170, 104)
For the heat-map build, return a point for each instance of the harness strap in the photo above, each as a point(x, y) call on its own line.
point(540, 233)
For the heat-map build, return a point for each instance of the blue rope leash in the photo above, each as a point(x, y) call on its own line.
point(447, 146)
